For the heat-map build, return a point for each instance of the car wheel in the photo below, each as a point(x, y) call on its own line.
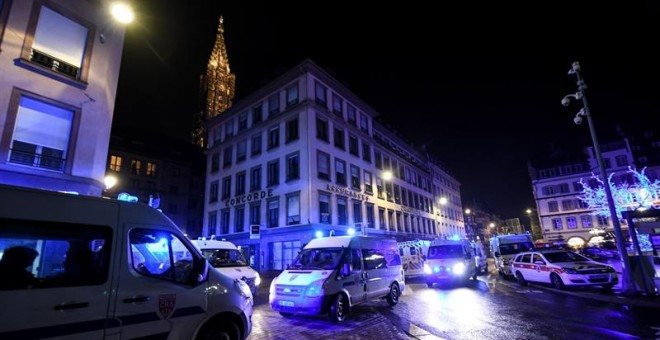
point(393, 296)
point(338, 309)
point(557, 281)
point(285, 314)
point(429, 284)
point(224, 330)
point(521, 280)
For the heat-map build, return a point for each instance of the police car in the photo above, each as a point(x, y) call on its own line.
point(561, 268)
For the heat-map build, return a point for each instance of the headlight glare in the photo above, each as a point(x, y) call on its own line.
point(257, 280)
point(315, 289)
point(458, 268)
point(427, 269)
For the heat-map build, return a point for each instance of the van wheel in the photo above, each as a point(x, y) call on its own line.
point(521, 279)
point(393, 296)
point(224, 330)
point(338, 309)
point(285, 314)
point(556, 281)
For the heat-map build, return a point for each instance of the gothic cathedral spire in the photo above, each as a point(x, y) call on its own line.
point(216, 87)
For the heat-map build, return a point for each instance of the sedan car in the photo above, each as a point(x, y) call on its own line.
point(561, 268)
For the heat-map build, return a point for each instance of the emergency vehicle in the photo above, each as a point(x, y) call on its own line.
point(505, 247)
point(412, 256)
point(480, 259)
point(80, 267)
point(449, 260)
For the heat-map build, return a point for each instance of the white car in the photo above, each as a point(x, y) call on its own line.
point(561, 268)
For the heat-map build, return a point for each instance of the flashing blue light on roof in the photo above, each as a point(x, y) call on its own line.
point(318, 234)
point(126, 197)
point(350, 232)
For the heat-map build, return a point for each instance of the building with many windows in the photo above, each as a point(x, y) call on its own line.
point(59, 67)
point(303, 157)
point(562, 215)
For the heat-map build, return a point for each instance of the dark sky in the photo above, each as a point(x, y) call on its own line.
point(480, 83)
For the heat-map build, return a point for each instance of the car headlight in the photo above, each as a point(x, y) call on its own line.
point(257, 280)
point(271, 290)
point(427, 269)
point(458, 268)
point(315, 289)
point(243, 288)
point(570, 270)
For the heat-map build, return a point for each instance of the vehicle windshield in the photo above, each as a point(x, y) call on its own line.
point(515, 248)
point(317, 258)
point(564, 256)
point(224, 257)
point(449, 251)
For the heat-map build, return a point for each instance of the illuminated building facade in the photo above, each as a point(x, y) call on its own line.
point(59, 67)
point(303, 157)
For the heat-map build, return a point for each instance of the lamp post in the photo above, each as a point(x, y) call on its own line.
point(627, 285)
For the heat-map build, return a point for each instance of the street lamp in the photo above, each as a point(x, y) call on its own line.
point(109, 181)
point(467, 211)
point(122, 12)
point(529, 214)
point(584, 112)
point(443, 200)
point(386, 175)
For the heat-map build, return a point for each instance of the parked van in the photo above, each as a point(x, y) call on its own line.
point(480, 258)
point(412, 256)
point(449, 260)
point(505, 247)
point(80, 267)
point(333, 274)
point(228, 259)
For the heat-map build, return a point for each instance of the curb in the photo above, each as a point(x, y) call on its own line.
point(652, 302)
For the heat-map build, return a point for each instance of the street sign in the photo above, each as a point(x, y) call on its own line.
point(255, 231)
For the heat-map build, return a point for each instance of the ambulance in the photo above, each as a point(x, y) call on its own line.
point(412, 256)
point(334, 274)
point(505, 247)
point(79, 267)
point(449, 260)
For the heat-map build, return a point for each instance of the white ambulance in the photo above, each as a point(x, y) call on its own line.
point(505, 247)
point(80, 267)
point(228, 259)
point(333, 274)
point(412, 256)
point(449, 260)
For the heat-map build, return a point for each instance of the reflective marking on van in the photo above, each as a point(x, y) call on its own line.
point(181, 312)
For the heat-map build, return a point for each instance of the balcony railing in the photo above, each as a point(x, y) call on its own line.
point(37, 160)
point(54, 64)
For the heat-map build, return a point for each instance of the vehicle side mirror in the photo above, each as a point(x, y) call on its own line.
point(345, 269)
point(497, 254)
point(202, 270)
point(539, 262)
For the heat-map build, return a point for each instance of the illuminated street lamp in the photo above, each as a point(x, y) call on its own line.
point(492, 225)
point(387, 175)
point(109, 181)
point(122, 12)
point(467, 211)
point(443, 200)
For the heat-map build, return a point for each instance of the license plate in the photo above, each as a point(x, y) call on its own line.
point(596, 277)
point(286, 303)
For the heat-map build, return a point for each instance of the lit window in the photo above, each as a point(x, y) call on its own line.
point(293, 209)
point(151, 169)
point(135, 166)
point(115, 163)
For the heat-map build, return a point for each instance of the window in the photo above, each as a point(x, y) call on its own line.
point(226, 187)
point(239, 218)
point(273, 172)
point(553, 206)
point(603, 221)
point(212, 222)
point(337, 105)
point(59, 42)
point(292, 95)
point(273, 137)
point(571, 222)
point(621, 160)
point(390, 196)
point(242, 121)
point(586, 220)
point(230, 128)
point(115, 163)
point(323, 165)
point(256, 145)
point(66, 255)
point(257, 114)
point(563, 188)
point(273, 212)
point(548, 190)
point(381, 218)
point(135, 166)
point(241, 151)
point(397, 194)
point(324, 208)
point(255, 178)
point(582, 204)
point(370, 215)
point(342, 214)
point(366, 152)
point(213, 192)
point(374, 259)
point(215, 162)
point(152, 256)
point(355, 177)
point(567, 205)
point(339, 138)
point(224, 220)
point(321, 129)
point(320, 93)
point(556, 223)
point(364, 123)
point(368, 182)
point(379, 187)
point(379, 160)
point(240, 183)
point(353, 147)
point(293, 209)
point(255, 213)
point(340, 171)
point(274, 104)
point(351, 113)
point(357, 212)
point(41, 132)
point(227, 156)
point(390, 219)
point(292, 130)
point(293, 166)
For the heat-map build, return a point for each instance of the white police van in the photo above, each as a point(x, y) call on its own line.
point(449, 260)
point(333, 274)
point(80, 267)
point(225, 257)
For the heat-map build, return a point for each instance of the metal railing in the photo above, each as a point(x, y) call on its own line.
point(37, 160)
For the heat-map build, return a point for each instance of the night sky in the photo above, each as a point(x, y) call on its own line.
point(479, 83)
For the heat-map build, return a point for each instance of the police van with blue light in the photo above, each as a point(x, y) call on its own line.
point(334, 274)
point(449, 260)
point(81, 267)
